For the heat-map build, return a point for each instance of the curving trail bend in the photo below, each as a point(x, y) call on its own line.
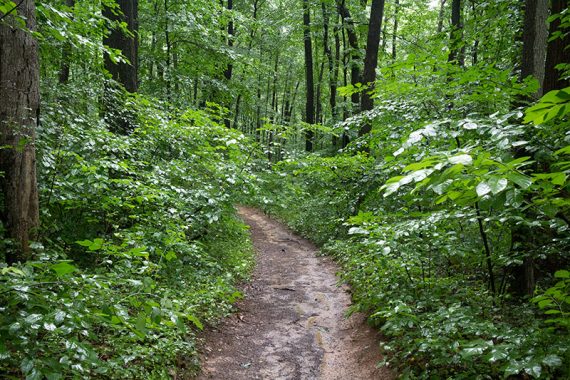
point(291, 324)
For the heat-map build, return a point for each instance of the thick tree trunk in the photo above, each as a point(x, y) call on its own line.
point(534, 38)
point(371, 59)
point(119, 119)
point(19, 110)
point(309, 81)
point(124, 73)
point(534, 35)
point(558, 51)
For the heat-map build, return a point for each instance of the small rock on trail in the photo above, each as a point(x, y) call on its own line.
point(291, 324)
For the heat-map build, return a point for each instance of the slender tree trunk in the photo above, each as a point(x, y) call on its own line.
point(229, 67)
point(19, 112)
point(309, 82)
point(558, 51)
point(371, 59)
point(330, 60)
point(319, 105)
point(167, 69)
point(440, 16)
point(64, 69)
point(354, 48)
point(395, 32)
point(455, 37)
point(236, 112)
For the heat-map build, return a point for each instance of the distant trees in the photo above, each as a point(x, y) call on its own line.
point(19, 112)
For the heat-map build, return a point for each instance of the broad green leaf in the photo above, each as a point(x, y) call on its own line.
point(483, 189)
point(562, 274)
point(497, 184)
point(463, 159)
point(63, 268)
point(195, 321)
point(552, 361)
point(522, 180)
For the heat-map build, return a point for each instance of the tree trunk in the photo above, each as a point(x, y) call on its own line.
point(167, 72)
point(354, 48)
point(557, 52)
point(440, 16)
point(229, 67)
point(19, 111)
point(455, 37)
point(124, 73)
point(395, 32)
point(120, 119)
point(66, 53)
point(330, 60)
point(534, 35)
point(309, 81)
point(371, 59)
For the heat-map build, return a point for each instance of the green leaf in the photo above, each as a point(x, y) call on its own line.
point(562, 274)
point(497, 184)
point(522, 180)
point(140, 324)
point(463, 159)
point(552, 361)
point(63, 268)
point(552, 312)
point(483, 189)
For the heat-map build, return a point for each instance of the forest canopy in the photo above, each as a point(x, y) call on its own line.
point(424, 145)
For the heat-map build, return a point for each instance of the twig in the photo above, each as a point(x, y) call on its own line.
point(11, 10)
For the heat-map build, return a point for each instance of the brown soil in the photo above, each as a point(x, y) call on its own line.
point(291, 324)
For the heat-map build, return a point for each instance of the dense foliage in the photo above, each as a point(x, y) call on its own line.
point(446, 204)
point(140, 246)
point(417, 228)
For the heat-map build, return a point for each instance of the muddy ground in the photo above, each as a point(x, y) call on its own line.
point(291, 324)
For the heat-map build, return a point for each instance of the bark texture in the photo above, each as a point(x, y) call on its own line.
point(309, 80)
point(124, 73)
point(535, 32)
point(371, 59)
point(456, 35)
point(558, 51)
point(19, 109)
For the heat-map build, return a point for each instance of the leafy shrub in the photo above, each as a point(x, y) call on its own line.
point(141, 246)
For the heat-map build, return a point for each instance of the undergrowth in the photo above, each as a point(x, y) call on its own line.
point(140, 245)
point(423, 228)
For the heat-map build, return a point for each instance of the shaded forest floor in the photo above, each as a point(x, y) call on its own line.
point(291, 324)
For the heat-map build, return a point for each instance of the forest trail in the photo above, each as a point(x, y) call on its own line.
point(291, 324)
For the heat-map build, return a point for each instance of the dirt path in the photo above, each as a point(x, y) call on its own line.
point(291, 323)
